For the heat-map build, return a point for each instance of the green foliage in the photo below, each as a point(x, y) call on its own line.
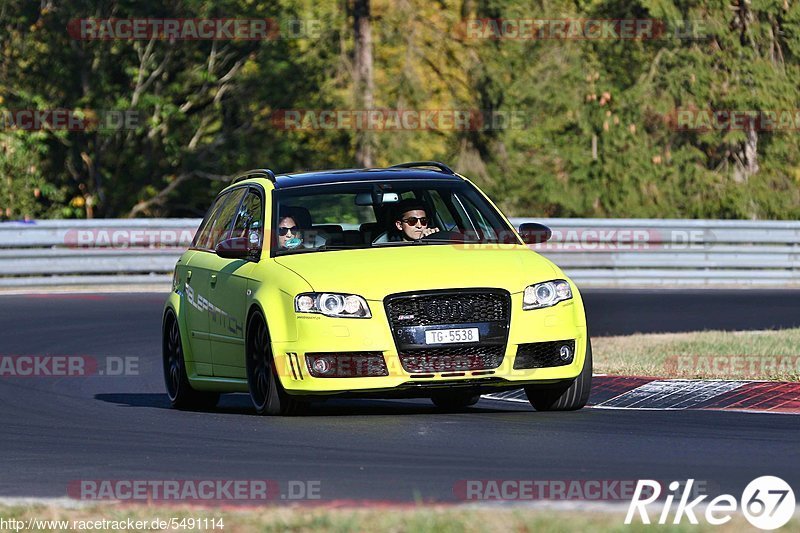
point(598, 133)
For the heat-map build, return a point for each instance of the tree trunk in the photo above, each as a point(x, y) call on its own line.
point(363, 82)
point(749, 152)
point(751, 149)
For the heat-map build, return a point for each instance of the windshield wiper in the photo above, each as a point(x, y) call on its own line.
point(391, 243)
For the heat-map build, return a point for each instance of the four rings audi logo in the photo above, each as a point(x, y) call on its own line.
point(444, 310)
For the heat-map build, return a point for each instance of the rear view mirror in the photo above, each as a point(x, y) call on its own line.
point(365, 198)
point(534, 233)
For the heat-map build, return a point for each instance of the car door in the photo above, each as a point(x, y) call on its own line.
point(195, 280)
point(229, 288)
point(200, 307)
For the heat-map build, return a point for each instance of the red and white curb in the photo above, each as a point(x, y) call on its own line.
point(636, 392)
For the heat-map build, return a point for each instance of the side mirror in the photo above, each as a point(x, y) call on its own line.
point(236, 248)
point(534, 233)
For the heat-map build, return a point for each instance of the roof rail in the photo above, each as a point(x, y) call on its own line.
point(258, 172)
point(414, 164)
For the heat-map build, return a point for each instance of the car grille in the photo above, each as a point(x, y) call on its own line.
point(452, 359)
point(448, 308)
point(542, 354)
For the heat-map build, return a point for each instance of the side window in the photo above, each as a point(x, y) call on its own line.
point(250, 220)
point(220, 225)
point(442, 212)
point(466, 223)
point(484, 228)
point(202, 235)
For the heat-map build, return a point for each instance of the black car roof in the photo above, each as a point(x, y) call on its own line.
point(284, 181)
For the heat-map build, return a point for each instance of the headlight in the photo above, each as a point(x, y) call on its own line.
point(546, 294)
point(332, 304)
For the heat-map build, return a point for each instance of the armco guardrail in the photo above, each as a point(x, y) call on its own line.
point(92, 252)
point(594, 252)
point(670, 252)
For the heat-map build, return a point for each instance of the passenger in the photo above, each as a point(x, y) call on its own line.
point(289, 235)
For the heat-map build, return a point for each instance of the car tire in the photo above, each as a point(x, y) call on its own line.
point(454, 400)
point(180, 392)
point(266, 391)
point(569, 396)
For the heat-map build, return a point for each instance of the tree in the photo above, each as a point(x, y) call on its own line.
point(364, 88)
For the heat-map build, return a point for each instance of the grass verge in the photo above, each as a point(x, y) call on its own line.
point(769, 355)
point(390, 519)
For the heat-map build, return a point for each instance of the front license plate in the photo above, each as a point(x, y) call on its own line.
point(447, 336)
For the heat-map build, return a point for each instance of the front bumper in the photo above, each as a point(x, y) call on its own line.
point(319, 334)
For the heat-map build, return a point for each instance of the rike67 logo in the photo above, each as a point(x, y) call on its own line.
point(767, 503)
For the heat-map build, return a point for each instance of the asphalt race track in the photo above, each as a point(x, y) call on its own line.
point(60, 430)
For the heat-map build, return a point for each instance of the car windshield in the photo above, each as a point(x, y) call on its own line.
point(379, 214)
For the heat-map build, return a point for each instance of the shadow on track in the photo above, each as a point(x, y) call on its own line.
point(239, 404)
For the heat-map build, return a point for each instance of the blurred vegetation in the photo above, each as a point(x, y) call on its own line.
point(600, 137)
point(764, 354)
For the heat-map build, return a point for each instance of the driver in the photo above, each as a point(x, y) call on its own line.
point(410, 221)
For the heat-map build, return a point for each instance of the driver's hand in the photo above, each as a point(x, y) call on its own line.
point(428, 231)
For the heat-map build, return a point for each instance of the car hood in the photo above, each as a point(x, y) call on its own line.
point(376, 272)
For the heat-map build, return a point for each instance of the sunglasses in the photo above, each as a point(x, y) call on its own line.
point(412, 221)
point(284, 231)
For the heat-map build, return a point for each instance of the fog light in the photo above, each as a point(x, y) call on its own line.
point(346, 364)
point(322, 365)
point(565, 352)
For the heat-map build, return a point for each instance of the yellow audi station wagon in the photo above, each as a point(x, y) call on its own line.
point(398, 282)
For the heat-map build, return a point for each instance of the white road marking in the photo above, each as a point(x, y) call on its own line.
point(672, 394)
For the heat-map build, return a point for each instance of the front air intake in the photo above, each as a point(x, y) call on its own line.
point(544, 354)
point(346, 364)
